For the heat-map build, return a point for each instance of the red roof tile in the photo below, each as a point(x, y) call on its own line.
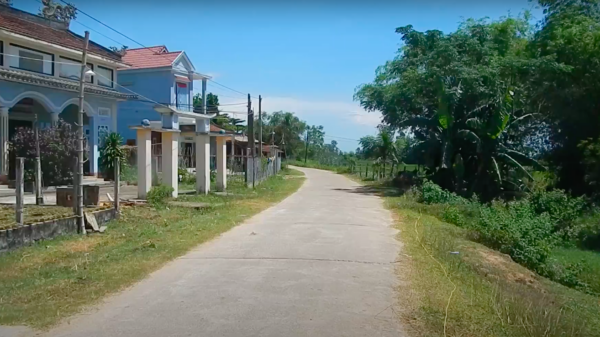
point(151, 57)
point(39, 28)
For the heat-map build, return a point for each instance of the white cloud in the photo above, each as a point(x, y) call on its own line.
point(349, 111)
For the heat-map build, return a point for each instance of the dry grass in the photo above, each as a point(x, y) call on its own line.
point(51, 280)
point(494, 296)
point(31, 214)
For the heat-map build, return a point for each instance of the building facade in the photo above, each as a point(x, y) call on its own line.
point(160, 77)
point(39, 79)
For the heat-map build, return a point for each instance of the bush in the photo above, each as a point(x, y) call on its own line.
point(110, 150)
point(434, 194)
point(587, 230)
point(58, 149)
point(454, 216)
point(185, 177)
point(517, 230)
point(562, 208)
point(158, 194)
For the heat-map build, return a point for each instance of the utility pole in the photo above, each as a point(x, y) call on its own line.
point(306, 151)
point(251, 139)
point(80, 136)
point(260, 121)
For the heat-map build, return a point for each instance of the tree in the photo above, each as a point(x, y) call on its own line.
point(440, 83)
point(286, 126)
point(567, 93)
point(212, 103)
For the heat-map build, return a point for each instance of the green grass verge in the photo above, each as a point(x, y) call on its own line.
point(31, 214)
point(51, 280)
point(590, 273)
point(494, 296)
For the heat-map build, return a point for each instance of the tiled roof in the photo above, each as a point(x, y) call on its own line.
point(39, 28)
point(151, 57)
point(53, 82)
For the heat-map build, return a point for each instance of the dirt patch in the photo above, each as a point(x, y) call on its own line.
point(500, 266)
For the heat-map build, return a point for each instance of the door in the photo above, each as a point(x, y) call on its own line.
point(183, 96)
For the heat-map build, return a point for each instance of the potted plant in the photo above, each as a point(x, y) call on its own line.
point(110, 150)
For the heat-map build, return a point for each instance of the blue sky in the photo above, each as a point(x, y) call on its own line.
point(301, 56)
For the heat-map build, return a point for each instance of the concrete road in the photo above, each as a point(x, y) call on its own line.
point(320, 263)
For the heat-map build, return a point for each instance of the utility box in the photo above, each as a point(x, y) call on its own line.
point(66, 197)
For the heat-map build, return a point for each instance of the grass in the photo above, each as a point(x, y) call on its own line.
point(591, 259)
point(31, 214)
point(46, 282)
point(494, 296)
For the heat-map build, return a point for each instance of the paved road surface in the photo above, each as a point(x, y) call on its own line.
point(320, 263)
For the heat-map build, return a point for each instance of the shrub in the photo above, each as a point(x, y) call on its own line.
point(454, 216)
point(58, 148)
point(562, 208)
point(434, 194)
point(185, 176)
point(158, 194)
point(110, 150)
point(587, 230)
point(515, 229)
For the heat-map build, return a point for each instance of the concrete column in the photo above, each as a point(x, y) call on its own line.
point(202, 163)
point(144, 163)
point(221, 163)
point(93, 142)
point(170, 160)
point(3, 141)
point(54, 117)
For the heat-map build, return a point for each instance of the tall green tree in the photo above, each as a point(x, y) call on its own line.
point(439, 83)
point(567, 93)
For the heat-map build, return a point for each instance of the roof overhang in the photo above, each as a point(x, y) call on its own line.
point(65, 50)
point(165, 109)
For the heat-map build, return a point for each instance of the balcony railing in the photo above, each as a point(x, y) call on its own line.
point(183, 107)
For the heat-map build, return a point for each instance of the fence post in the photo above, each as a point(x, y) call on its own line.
point(117, 187)
point(20, 191)
point(39, 199)
point(367, 171)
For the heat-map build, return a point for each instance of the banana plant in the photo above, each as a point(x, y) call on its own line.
point(489, 133)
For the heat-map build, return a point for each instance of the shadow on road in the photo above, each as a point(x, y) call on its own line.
point(378, 190)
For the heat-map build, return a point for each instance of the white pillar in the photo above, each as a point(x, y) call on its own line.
point(144, 156)
point(170, 160)
point(54, 117)
point(3, 141)
point(202, 163)
point(221, 164)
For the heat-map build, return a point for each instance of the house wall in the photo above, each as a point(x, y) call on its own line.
point(155, 86)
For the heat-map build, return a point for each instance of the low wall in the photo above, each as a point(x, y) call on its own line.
point(28, 234)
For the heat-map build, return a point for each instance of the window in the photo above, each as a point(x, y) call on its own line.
point(31, 60)
point(104, 112)
point(71, 69)
point(105, 76)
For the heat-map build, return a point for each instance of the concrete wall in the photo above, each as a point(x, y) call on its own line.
point(21, 236)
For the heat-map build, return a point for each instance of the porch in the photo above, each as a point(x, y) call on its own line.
point(25, 98)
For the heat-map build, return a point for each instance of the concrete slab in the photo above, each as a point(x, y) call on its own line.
point(320, 263)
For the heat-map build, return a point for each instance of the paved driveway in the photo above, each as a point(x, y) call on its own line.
point(320, 263)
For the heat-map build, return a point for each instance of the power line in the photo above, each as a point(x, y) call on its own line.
point(138, 43)
point(102, 23)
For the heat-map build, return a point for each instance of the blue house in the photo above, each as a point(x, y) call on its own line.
point(39, 77)
point(158, 76)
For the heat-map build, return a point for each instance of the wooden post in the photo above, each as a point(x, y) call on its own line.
point(367, 171)
point(117, 187)
point(20, 190)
